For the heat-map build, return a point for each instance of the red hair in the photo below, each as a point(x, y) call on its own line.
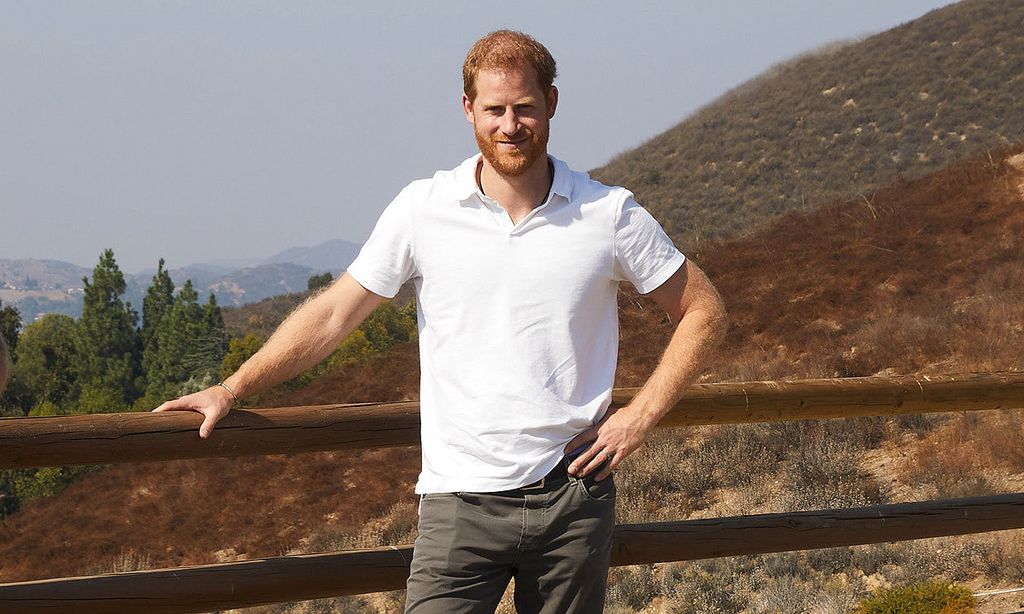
point(508, 49)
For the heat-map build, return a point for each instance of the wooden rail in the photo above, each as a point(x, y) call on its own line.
point(132, 437)
point(248, 583)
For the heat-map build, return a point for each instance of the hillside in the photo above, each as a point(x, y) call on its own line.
point(846, 120)
point(922, 276)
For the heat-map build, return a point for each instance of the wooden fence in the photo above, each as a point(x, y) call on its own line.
point(66, 440)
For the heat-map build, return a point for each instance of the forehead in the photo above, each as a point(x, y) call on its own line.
point(492, 84)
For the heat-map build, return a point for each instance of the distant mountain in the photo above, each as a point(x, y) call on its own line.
point(846, 120)
point(36, 287)
point(332, 256)
point(257, 283)
point(32, 274)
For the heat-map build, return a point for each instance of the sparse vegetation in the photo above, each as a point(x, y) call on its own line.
point(845, 120)
point(921, 277)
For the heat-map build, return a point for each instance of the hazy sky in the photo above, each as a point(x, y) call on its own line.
point(210, 131)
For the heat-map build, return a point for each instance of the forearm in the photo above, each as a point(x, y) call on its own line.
point(307, 336)
point(699, 332)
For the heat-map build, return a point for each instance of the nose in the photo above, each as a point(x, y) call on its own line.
point(510, 121)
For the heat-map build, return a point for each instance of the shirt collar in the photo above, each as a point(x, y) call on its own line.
point(466, 186)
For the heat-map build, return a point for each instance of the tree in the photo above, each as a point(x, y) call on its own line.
point(10, 322)
point(215, 331)
point(46, 360)
point(107, 347)
point(158, 301)
point(319, 281)
point(190, 341)
point(14, 397)
point(155, 306)
point(240, 349)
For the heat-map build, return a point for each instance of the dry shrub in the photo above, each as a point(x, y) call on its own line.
point(397, 526)
point(126, 560)
point(666, 465)
point(899, 338)
point(1002, 439)
point(632, 587)
point(825, 472)
point(1005, 560)
point(745, 454)
point(838, 594)
point(782, 595)
point(953, 461)
point(713, 586)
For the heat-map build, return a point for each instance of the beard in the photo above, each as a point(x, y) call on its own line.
point(513, 162)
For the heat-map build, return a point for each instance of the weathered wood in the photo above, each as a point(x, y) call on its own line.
point(132, 437)
point(248, 583)
point(145, 436)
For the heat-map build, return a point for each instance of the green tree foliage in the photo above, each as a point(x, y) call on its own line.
point(934, 597)
point(215, 332)
point(190, 342)
point(157, 302)
point(46, 361)
point(388, 325)
point(240, 349)
point(319, 281)
point(10, 322)
point(15, 398)
point(107, 347)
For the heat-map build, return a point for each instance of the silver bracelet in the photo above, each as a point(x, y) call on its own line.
point(230, 391)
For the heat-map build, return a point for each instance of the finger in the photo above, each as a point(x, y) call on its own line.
point(599, 460)
point(583, 458)
point(171, 405)
point(206, 427)
point(609, 467)
point(596, 456)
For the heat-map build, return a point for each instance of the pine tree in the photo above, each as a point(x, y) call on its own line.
point(107, 347)
point(191, 344)
point(215, 332)
point(158, 301)
point(156, 304)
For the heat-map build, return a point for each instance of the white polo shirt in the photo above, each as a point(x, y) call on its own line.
point(518, 323)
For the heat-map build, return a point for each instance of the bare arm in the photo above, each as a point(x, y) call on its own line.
point(306, 337)
point(693, 302)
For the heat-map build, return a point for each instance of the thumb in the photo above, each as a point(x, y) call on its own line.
point(209, 420)
point(581, 439)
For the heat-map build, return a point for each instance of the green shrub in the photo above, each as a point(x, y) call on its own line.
point(933, 597)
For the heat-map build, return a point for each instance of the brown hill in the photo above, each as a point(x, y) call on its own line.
point(849, 119)
point(922, 276)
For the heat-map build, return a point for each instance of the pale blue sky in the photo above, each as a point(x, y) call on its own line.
point(204, 131)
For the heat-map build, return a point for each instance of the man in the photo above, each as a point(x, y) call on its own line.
point(516, 261)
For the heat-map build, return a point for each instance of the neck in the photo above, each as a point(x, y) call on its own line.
point(519, 194)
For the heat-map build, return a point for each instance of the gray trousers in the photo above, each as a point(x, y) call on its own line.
point(555, 541)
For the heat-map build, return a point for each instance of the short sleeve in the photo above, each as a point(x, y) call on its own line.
point(644, 255)
point(385, 261)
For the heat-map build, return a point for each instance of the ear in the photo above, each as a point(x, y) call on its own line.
point(467, 107)
point(552, 101)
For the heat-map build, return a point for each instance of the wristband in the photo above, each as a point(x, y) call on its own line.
point(230, 391)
